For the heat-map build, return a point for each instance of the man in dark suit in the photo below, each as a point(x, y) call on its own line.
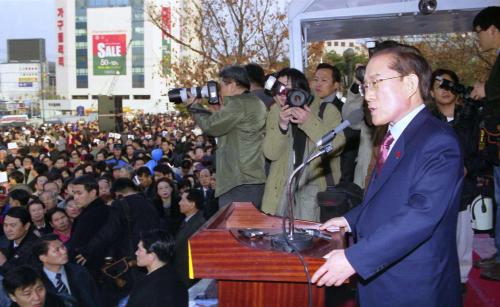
point(71, 282)
point(210, 203)
point(16, 226)
point(190, 205)
point(487, 26)
point(405, 253)
point(86, 226)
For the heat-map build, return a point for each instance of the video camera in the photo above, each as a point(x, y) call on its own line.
point(295, 97)
point(209, 91)
point(455, 88)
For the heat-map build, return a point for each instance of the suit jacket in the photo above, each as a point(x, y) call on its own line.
point(81, 284)
point(181, 244)
point(162, 287)
point(22, 254)
point(491, 113)
point(406, 252)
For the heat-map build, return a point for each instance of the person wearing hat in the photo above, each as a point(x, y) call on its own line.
point(117, 157)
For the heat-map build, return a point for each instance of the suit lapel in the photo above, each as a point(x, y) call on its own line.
point(396, 155)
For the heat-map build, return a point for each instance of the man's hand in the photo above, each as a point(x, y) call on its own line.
point(191, 100)
point(339, 222)
point(80, 259)
point(300, 115)
point(3, 259)
point(478, 92)
point(285, 117)
point(335, 271)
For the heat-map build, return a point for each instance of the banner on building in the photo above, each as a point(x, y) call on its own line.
point(109, 54)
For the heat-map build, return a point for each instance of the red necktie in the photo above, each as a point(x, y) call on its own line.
point(384, 150)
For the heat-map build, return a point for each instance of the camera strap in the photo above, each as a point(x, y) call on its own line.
point(325, 163)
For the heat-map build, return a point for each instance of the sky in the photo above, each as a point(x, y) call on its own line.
point(28, 19)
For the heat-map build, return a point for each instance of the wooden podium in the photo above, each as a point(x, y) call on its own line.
point(249, 272)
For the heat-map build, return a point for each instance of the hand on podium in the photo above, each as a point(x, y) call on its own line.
point(335, 271)
point(335, 224)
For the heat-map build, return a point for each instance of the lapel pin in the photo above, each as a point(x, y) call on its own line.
point(398, 154)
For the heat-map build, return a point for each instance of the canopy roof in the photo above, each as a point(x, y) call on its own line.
point(318, 20)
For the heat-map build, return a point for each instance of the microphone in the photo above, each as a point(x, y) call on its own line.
point(355, 117)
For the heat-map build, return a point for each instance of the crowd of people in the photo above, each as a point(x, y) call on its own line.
point(95, 218)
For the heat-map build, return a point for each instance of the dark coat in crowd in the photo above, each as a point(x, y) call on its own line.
point(171, 218)
point(186, 230)
point(162, 287)
point(85, 227)
point(22, 254)
point(81, 284)
point(128, 217)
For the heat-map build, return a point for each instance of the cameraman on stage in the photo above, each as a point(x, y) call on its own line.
point(238, 123)
point(487, 26)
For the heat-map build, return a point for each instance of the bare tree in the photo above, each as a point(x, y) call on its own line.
point(221, 32)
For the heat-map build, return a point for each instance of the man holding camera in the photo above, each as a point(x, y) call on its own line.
point(239, 125)
point(487, 26)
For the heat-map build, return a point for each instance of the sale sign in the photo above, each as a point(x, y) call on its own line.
point(109, 54)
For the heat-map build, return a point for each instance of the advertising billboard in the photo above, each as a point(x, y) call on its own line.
point(109, 54)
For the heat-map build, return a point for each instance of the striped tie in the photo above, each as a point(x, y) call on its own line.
point(384, 150)
point(60, 286)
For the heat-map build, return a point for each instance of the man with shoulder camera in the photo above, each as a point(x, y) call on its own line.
point(487, 26)
point(239, 125)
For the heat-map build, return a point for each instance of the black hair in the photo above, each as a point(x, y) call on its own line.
point(158, 242)
point(41, 246)
point(163, 168)
point(255, 74)
point(53, 211)
point(143, 170)
point(237, 74)
point(89, 183)
point(335, 71)
point(41, 168)
point(297, 78)
point(17, 176)
point(486, 18)
point(19, 213)
point(123, 184)
point(20, 195)
point(20, 277)
point(195, 196)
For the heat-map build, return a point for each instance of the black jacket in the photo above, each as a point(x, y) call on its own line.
point(491, 115)
point(161, 288)
point(186, 230)
point(170, 218)
point(81, 284)
point(85, 227)
point(116, 233)
point(22, 254)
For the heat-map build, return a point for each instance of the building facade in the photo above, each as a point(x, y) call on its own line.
point(109, 47)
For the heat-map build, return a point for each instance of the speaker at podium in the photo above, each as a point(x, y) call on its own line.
point(110, 113)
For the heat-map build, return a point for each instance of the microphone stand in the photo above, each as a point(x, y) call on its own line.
point(291, 240)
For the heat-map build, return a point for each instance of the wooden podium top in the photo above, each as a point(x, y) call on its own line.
point(219, 251)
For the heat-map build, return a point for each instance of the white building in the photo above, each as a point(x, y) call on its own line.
point(339, 46)
point(109, 47)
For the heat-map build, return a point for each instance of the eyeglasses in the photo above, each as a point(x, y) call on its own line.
point(365, 86)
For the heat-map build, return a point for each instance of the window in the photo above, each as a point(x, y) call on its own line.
point(80, 97)
point(329, 44)
point(342, 44)
point(142, 97)
point(81, 38)
point(82, 81)
point(336, 44)
point(351, 44)
point(137, 81)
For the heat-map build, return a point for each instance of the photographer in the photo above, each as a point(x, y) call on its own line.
point(238, 123)
point(463, 116)
point(487, 26)
point(291, 133)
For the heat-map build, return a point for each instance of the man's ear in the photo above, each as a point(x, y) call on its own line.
point(12, 298)
point(411, 83)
